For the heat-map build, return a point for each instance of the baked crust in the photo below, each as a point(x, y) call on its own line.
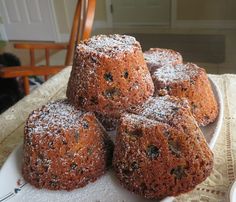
point(64, 148)
point(158, 57)
point(109, 74)
point(191, 82)
point(160, 150)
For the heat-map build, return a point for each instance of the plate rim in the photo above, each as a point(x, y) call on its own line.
point(220, 102)
point(217, 94)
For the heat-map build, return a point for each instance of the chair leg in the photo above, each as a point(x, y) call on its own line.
point(26, 85)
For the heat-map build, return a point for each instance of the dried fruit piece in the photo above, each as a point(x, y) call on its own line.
point(167, 134)
point(73, 166)
point(94, 100)
point(80, 171)
point(152, 152)
point(108, 76)
point(168, 88)
point(194, 106)
point(81, 101)
point(90, 151)
point(94, 60)
point(85, 124)
point(76, 135)
point(50, 145)
point(137, 132)
point(192, 82)
point(46, 168)
point(134, 165)
point(179, 172)
point(111, 93)
point(174, 147)
point(126, 74)
point(127, 172)
point(175, 108)
point(53, 183)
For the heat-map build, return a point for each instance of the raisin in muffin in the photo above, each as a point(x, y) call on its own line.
point(64, 148)
point(157, 57)
point(160, 150)
point(191, 82)
point(109, 74)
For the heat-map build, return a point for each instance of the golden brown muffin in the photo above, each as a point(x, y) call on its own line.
point(64, 148)
point(109, 74)
point(191, 82)
point(157, 57)
point(160, 150)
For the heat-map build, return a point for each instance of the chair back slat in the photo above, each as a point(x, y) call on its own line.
point(32, 57)
point(47, 57)
point(26, 85)
point(81, 27)
point(89, 18)
point(74, 32)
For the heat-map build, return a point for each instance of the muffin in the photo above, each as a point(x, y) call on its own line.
point(158, 57)
point(64, 148)
point(160, 150)
point(191, 82)
point(109, 74)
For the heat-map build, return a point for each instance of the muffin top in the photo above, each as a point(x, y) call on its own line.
point(157, 57)
point(52, 118)
point(109, 45)
point(160, 108)
point(175, 73)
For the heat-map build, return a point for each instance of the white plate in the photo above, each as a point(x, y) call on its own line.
point(212, 131)
point(232, 193)
point(105, 189)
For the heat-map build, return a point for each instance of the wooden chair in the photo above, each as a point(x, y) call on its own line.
point(81, 29)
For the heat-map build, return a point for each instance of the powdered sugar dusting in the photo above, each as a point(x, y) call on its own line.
point(157, 57)
point(159, 108)
point(174, 73)
point(135, 119)
point(54, 116)
point(109, 45)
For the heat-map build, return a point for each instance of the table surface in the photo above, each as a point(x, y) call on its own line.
point(214, 189)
